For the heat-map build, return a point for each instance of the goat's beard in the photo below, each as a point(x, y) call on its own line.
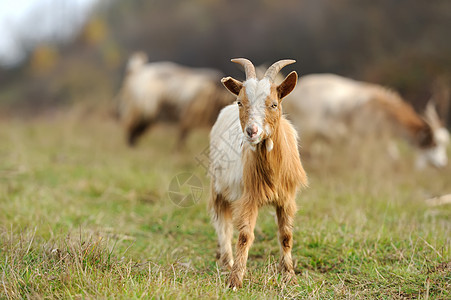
point(269, 144)
point(256, 141)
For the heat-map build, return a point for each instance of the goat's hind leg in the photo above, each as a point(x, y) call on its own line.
point(221, 217)
point(285, 217)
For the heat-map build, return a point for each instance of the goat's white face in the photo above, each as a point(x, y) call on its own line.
point(259, 100)
point(253, 110)
point(435, 155)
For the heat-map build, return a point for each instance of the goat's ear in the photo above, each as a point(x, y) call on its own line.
point(288, 85)
point(233, 85)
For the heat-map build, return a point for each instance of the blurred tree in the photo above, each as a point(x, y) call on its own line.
point(95, 31)
point(43, 59)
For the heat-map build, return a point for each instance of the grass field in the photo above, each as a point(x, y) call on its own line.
point(83, 216)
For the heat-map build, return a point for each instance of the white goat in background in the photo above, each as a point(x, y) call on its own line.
point(254, 162)
point(336, 107)
point(165, 91)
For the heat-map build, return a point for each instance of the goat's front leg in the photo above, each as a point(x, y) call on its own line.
point(285, 217)
point(245, 218)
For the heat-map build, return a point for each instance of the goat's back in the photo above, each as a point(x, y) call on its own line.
point(325, 104)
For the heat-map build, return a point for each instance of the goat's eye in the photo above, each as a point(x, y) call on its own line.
point(239, 103)
point(274, 105)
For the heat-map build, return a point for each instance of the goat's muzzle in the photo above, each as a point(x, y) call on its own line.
point(252, 131)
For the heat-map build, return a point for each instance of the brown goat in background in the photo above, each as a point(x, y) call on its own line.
point(335, 107)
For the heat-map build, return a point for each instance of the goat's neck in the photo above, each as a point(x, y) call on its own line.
point(261, 167)
point(270, 155)
point(272, 175)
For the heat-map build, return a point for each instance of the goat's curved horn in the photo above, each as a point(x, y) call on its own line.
point(276, 67)
point(249, 68)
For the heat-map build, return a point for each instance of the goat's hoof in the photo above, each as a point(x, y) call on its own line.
point(235, 283)
point(290, 278)
point(228, 266)
point(225, 262)
point(218, 254)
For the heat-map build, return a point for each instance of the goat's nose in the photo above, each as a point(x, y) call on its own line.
point(251, 130)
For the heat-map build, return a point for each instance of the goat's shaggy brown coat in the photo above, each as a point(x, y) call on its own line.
point(271, 174)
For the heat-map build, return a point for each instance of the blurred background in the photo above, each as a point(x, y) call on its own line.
point(368, 226)
point(55, 54)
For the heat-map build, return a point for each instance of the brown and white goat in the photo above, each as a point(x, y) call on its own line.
point(167, 92)
point(254, 161)
point(338, 108)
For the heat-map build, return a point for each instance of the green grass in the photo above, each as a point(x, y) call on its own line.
point(84, 216)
